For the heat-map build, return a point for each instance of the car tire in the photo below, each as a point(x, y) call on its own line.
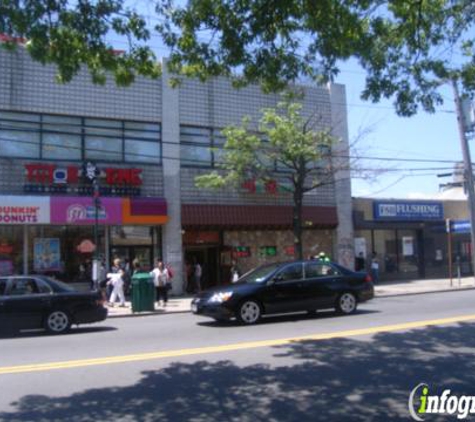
point(346, 303)
point(58, 322)
point(249, 312)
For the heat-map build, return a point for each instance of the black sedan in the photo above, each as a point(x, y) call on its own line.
point(286, 287)
point(28, 302)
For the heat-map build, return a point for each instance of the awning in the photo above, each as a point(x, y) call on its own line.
point(255, 216)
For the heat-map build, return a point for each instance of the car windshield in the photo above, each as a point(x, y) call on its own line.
point(258, 275)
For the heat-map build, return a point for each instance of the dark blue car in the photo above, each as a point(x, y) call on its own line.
point(35, 301)
point(286, 287)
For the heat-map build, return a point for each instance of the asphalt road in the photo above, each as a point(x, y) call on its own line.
point(295, 368)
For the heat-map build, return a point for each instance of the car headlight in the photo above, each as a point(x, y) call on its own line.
point(220, 297)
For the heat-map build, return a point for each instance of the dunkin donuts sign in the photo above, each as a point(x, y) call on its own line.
point(24, 210)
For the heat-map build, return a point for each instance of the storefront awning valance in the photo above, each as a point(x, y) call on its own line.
point(255, 216)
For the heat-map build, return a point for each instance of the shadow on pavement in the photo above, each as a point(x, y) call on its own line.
point(365, 379)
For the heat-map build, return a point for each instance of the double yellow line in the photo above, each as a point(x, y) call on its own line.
point(141, 357)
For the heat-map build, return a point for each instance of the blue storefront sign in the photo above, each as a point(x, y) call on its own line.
point(404, 211)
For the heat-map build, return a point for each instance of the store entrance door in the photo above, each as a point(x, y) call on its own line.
point(207, 257)
point(127, 254)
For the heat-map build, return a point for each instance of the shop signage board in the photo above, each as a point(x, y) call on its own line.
point(408, 210)
point(241, 251)
point(62, 179)
point(24, 210)
point(266, 251)
point(81, 210)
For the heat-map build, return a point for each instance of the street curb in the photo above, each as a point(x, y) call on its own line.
point(460, 289)
point(144, 314)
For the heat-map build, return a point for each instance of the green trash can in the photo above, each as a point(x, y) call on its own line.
point(143, 292)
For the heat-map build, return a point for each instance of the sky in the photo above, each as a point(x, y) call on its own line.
point(423, 136)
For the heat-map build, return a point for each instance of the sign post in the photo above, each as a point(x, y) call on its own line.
point(449, 248)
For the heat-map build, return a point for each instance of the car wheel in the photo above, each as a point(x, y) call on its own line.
point(58, 322)
point(249, 312)
point(346, 303)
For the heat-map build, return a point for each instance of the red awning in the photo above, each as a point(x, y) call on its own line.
point(254, 216)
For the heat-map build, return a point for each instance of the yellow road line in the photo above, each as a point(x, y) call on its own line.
point(227, 348)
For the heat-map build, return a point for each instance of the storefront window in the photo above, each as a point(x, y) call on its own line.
point(11, 250)
point(19, 134)
point(61, 137)
point(63, 251)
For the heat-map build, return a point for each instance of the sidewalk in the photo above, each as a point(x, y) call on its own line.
point(181, 304)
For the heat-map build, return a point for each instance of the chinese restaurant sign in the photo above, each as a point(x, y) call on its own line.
point(241, 252)
point(53, 179)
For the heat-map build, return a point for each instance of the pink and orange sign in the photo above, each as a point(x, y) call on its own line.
point(80, 210)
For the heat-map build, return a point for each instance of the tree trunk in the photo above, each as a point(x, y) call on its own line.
point(297, 221)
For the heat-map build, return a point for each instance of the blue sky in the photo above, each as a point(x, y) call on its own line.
point(424, 136)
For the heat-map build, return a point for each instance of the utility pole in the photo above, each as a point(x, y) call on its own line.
point(467, 162)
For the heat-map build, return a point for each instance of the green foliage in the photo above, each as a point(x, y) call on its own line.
point(71, 34)
point(407, 48)
point(284, 141)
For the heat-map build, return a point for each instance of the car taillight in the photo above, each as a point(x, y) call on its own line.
point(368, 278)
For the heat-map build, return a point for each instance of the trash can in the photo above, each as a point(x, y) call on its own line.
point(143, 292)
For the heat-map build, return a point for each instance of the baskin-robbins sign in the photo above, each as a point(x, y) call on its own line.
point(80, 210)
point(24, 210)
point(403, 211)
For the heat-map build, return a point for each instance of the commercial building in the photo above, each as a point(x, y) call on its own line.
point(413, 238)
point(148, 142)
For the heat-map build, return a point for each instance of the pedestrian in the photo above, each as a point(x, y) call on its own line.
point(197, 273)
point(160, 280)
point(235, 272)
point(375, 268)
point(116, 280)
point(116, 268)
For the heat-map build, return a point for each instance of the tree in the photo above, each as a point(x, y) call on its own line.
point(71, 34)
point(285, 147)
point(407, 48)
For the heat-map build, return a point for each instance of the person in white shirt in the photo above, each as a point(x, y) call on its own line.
point(161, 280)
point(116, 280)
point(197, 273)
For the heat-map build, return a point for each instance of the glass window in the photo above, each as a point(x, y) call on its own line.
point(142, 130)
point(317, 269)
point(23, 287)
point(103, 127)
point(63, 124)
point(19, 144)
point(291, 272)
point(98, 148)
point(142, 151)
point(195, 146)
point(195, 156)
point(61, 146)
point(43, 287)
